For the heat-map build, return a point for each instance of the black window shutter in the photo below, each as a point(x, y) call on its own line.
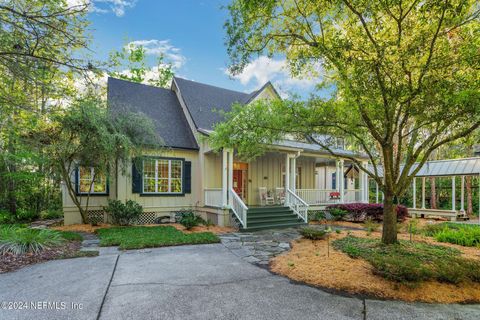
point(77, 180)
point(137, 183)
point(187, 177)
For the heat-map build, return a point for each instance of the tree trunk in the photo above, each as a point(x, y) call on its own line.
point(389, 232)
point(468, 182)
point(433, 193)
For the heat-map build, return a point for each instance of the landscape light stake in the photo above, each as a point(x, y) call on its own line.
point(328, 244)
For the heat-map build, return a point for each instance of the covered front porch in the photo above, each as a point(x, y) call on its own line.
point(283, 178)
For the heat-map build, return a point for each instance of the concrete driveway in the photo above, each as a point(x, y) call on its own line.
point(189, 282)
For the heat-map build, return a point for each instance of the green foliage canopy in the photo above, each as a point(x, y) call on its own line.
point(405, 76)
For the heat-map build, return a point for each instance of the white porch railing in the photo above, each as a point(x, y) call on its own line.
point(352, 196)
point(322, 196)
point(238, 207)
point(296, 203)
point(315, 196)
point(213, 197)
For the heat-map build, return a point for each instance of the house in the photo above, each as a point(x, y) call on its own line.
point(275, 189)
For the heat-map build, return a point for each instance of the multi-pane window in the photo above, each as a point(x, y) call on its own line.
point(89, 182)
point(162, 176)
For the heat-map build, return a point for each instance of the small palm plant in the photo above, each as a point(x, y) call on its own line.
point(17, 240)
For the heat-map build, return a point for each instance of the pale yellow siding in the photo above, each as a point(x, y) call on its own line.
point(266, 171)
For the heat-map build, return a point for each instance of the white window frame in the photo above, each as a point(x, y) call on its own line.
point(169, 176)
point(92, 186)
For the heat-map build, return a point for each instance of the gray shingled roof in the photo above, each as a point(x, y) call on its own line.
point(160, 104)
point(205, 102)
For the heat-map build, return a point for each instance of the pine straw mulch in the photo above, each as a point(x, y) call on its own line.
point(70, 249)
point(88, 228)
point(91, 229)
point(307, 262)
point(356, 225)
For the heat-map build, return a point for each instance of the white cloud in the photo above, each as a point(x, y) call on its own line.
point(117, 7)
point(161, 47)
point(264, 69)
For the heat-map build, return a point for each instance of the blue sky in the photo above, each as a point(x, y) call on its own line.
point(190, 33)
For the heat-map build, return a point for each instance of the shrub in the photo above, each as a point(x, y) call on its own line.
point(362, 211)
point(188, 219)
point(22, 240)
point(123, 214)
point(6, 217)
point(400, 269)
point(51, 214)
point(316, 215)
point(312, 233)
point(25, 215)
point(337, 213)
point(412, 262)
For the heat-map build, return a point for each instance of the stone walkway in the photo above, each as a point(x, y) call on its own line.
point(91, 242)
point(260, 246)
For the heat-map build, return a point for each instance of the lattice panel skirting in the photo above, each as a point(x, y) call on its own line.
point(147, 218)
point(99, 216)
point(96, 216)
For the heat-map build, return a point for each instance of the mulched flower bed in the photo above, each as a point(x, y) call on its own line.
point(70, 249)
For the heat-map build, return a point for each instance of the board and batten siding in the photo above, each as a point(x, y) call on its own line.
point(266, 171)
point(120, 187)
point(163, 203)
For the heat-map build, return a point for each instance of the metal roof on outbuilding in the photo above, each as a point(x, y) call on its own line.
point(445, 168)
point(453, 167)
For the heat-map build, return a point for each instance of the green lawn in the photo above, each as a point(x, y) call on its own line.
point(70, 235)
point(462, 234)
point(411, 262)
point(150, 237)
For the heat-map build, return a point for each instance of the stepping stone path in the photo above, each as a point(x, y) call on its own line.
point(260, 246)
point(90, 241)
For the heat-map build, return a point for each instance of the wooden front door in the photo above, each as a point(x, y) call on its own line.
point(240, 179)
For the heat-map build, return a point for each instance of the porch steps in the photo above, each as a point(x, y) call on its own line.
point(274, 217)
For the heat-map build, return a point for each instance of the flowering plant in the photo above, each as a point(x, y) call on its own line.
point(334, 195)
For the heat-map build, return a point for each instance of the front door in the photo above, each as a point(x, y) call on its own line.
point(240, 179)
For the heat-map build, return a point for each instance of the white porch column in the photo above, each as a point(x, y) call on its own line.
point(376, 192)
point(414, 193)
point(230, 174)
point(341, 182)
point(361, 185)
point(364, 184)
point(293, 174)
point(337, 175)
point(462, 195)
point(287, 172)
point(453, 194)
point(224, 178)
point(423, 192)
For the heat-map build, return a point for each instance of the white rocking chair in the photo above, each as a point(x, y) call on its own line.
point(265, 197)
point(280, 195)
